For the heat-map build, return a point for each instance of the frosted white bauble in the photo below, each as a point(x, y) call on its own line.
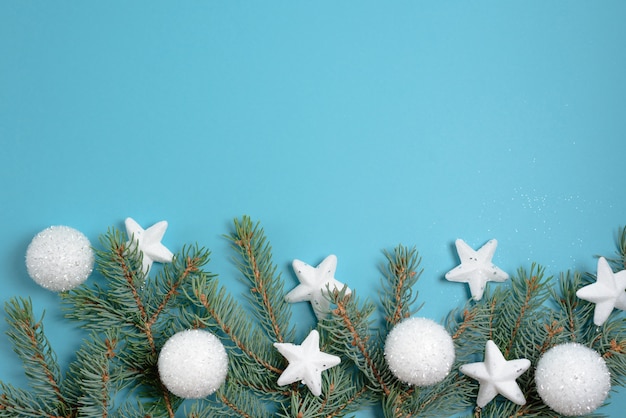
point(59, 258)
point(193, 364)
point(572, 379)
point(419, 351)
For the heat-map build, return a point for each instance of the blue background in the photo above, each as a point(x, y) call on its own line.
point(345, 127)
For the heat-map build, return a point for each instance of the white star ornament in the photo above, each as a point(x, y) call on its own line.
point(497, 376)
point(608, 292)
point(314, 285)
point(476, 267)
point(306, 363)
point(148, 241)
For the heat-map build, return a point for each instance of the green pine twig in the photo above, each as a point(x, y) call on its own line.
point(398, 295)
point(351, 327)
point(95, 375)
point(38, 358)
point(267, 294)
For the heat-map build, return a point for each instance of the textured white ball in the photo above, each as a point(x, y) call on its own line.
point(572, 379)
point(59, 258)
point(193, 364)
point(419, 351)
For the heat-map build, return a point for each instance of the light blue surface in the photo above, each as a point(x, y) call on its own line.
point(345, 127)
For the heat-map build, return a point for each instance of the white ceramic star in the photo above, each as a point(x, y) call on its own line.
point(306, 363)
point(476, 267)
point(313, 284)
point(148, 241)
point(608, 292)
point(497, 375)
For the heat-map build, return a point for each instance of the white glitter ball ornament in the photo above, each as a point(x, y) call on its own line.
point(419, 351)
point(59, 258)
point(572, 379)
point(193, 364)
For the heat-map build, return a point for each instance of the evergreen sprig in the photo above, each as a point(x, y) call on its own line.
point(129, 315)
point(95, 374)
point(267, 296)
point(400, 276)
point(40, 364)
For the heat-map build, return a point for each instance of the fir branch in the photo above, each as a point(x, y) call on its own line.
point(256, 266)
point(233, 401)
point(516, 318)
point(475, 322)
point(610, 342)
point(38, 358)
point(143, 309)
point(20, 403)
point(350, 326)
point(172, 279)
point(117, 302)
point(132, 409)
point(574, 313)
point(131, 315)
point(225, 314)
point(521, 312)
point(133, 278)
point(93, 376)
point(470, 329)
point(343, 393)
point(84, 303)
point(353, 399)
point(395, 405)
point(401, 275)
point(451, 395)
point(553, 332)
point(531, 288)
point(234, 407)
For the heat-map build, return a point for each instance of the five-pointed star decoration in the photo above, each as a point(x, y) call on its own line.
point(497, 375)
point(315, 283)
point(306, 363)
point(476, 267)
point(148, 241)
point(608, 292)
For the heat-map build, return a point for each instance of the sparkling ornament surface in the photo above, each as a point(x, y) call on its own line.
point(476, 268)
point(572, 379)
point(59, 258)
point(193, 364)
point(419, 351)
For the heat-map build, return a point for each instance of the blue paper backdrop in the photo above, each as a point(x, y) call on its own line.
point(345, 127)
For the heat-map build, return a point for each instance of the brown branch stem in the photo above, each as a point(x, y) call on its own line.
point(531, 286)
point(232, 406)
point(146, 327)
point(359, 342)
point(468, 317)
point(30, 331)
point(350, 401)
point(228, 331)
point(192, 266)
point(402, 275)
point(245, 243)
